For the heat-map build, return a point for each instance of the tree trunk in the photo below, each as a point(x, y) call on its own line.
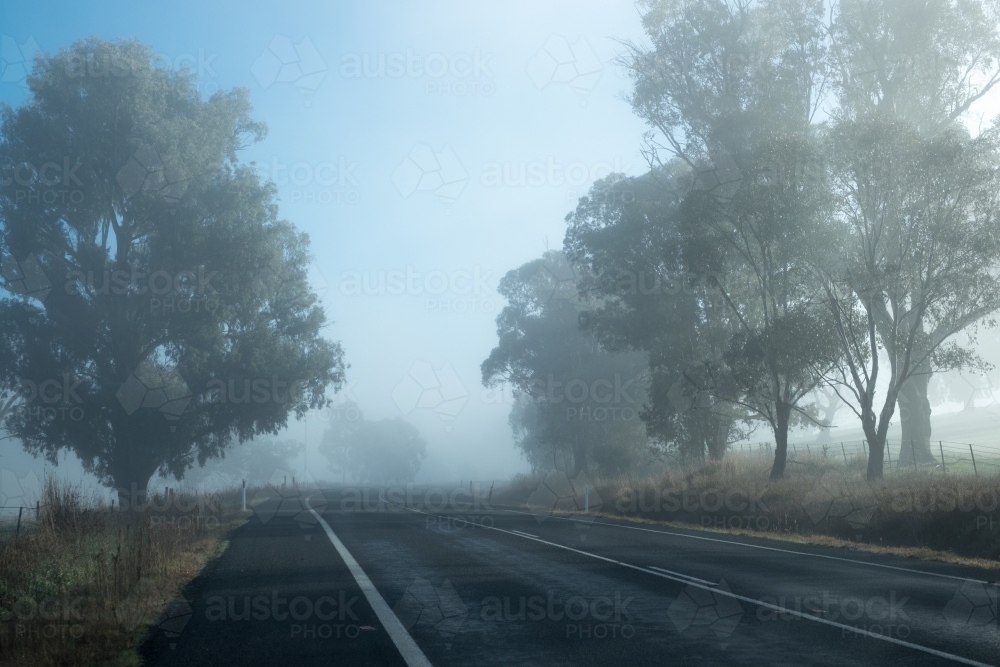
point(915, 420)
point(876, 446)
point(782, 413)
point(131, 479)
point(132, 492)
point(716, 441)
point(876, 457)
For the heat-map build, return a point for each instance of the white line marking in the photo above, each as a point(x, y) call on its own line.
point(758, 546)
point(760, 603)
point(521, 532)
point(680, 574)
point(408, 648)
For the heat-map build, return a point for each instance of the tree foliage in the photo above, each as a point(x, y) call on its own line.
point(577, 405)
point(174, 311)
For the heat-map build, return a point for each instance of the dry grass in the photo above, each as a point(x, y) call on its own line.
point(953, 518)
point(85, 582)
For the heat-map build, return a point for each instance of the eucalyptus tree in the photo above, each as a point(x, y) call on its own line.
point(578, 405)
point(649, 286)
point(926, 64)
point(915, 260)
point(732, 89)
point(157, 308)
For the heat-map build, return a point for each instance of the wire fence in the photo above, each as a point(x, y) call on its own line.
point(943, 456)
point(15, 518)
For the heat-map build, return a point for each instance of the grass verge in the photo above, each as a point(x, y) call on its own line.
point(85, 582)
point(951, 518)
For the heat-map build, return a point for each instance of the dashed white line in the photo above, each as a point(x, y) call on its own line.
point(521, 532)
point(681, 574)
point(717, 591)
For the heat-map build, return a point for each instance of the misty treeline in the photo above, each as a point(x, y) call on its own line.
point(386, 451)
point(263, 460)
point(817, 227)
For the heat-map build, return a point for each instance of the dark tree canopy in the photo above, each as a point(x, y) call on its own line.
point(174, 311)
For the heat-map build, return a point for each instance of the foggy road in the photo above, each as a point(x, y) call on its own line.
point(362, 578)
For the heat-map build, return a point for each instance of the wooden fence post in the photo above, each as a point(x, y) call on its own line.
point(973, 454)
point(20, 510)
point(845, 453)
point(941, 449)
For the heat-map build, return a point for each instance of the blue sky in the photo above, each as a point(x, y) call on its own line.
point(408, 170)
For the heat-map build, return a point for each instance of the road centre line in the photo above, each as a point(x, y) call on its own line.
point(679, 574)
point(758, 546)
point(743, 598)
point(521, 532)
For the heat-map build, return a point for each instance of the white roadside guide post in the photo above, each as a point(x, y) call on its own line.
point(586, 498)
point(244, 495)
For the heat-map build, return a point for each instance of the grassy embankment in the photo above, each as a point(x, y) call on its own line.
point(84, 583)
point(927, 514)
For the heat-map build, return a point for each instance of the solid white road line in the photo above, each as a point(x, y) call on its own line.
point(408, 648)
point(681, 574)
point(748, 600)
point(521, 532)
point(758, 546)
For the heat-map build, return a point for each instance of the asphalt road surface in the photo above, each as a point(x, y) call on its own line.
point(360, 578)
